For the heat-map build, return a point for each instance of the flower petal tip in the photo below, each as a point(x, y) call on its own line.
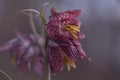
point(89, 59)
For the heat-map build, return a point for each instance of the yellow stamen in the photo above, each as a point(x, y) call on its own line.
point(68, 66)
point(72, 30)
point(75, 29)
point(72, 64)
point(13, 60)
point(69, 63)
point(73, 34)
point(72, 27)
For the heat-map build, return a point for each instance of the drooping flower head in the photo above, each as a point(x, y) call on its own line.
point(65, 23)
point(25, 53)
point(63, 31)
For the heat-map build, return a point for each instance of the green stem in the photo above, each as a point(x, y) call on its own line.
point(49, 73)
point(45, 44)
point(33, 27)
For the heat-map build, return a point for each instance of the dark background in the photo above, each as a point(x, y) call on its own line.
point(100, 23)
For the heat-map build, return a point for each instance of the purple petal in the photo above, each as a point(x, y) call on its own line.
point(79, 49)
point(23, 66)
point(62, 40)
point(57, 37)
point(81, 53)
point(69, 14)
point(73, 13)
point(55, 58)
point(70, 51)
point(41, 41)
point(81, 35)
point(54, 11)
point(38, 65)
point(9, 45)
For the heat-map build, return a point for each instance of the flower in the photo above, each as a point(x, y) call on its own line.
point(63, 31)
point(25, 52)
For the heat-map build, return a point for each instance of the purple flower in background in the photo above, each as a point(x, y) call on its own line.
point(63, 31)
point(25, 53)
